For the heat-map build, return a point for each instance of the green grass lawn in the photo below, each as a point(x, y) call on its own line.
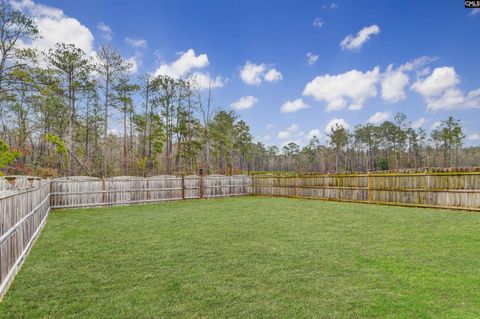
point(251, 257)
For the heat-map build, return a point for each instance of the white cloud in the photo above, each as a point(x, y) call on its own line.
point(291, 132)
point(294, 106)
point(440, 91)
point(356, 42)
point(311, 58)
point(474, 12)
point(266, 138)
point(254, 74)
point(353, 85)
point(393, 84)
point(297, 136)
point(474, 137)
point(251, 73)
point(379, 117)
point(134, 62)
point(417, 63)
point(419, 123)
point(105, 30)
point(334, 122)
point(136, 43)
point(332, 6)
point(269, 126)
point(394, 81)
point(318, 22)
point(314, 132)
point(244, 102)
point(423, 72)
point(441, 79)
point(273, 75)
point(55, 27)
point(204, 81)
point(184, 64)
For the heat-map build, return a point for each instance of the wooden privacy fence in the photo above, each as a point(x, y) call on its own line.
point(82, 191)
point(457, 190)
point(24, 206)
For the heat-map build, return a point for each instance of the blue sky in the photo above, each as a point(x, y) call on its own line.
point(368, 59)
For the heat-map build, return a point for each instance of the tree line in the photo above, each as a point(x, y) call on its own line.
point(390, 145)
point(57, 108)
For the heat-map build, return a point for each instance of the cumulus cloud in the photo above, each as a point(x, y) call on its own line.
point(440, 80)
point(352, 86)
point(134, 62)
point(55, 27)
point(291, 132)
point(244, 102)
point(318, 22)
point(251, 73)
point(355, 42)
point(334, 122)
point(136, 43)
point(311, 58)
point(440, 91)
point(294, 106)
point(185, 64)
point(254, 74)
point(273, 75)
point(419, 123)
point(379, 117)
point(314, 133)
point(394, 81)
point(393, 84)
point(204, 81)
point(474, 137)
point(106, 31)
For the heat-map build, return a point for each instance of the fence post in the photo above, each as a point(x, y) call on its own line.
point(201, 183)
point(369, 186)
point(295, 185)
point(146, 193)
point(429, 186)
point(51, 190)
point(11, 181)
point(103, 191)
point(183, 186)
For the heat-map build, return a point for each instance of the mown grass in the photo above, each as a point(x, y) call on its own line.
point(251, 258)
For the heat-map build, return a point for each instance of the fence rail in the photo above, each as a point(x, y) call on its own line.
point(80, 191)
point(24, 207)
point(456, 190)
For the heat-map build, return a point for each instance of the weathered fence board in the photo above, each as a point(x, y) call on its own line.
point(24, 207)
point(458, 190)
point(82, 191)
